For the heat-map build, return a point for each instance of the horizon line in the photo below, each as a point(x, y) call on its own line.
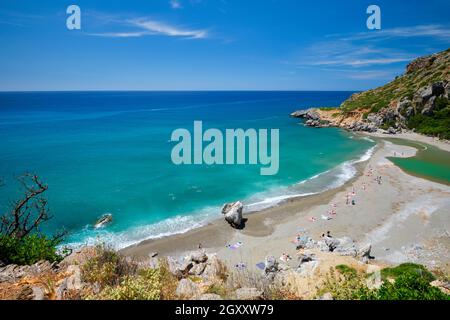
point(176, 90)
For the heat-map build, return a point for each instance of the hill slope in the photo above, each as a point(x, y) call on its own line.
point(417, 100)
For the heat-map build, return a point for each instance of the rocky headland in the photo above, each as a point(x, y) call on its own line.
point(418, 100)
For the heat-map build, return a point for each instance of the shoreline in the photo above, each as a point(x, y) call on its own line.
point(268, 231)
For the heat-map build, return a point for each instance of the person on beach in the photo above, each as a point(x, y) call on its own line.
point(353, 202)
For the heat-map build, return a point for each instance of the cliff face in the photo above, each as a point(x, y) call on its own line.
point(417, 100)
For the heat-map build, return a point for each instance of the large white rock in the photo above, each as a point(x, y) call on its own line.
point(233, 213)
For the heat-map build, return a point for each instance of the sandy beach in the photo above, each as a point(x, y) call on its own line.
point(405, 218)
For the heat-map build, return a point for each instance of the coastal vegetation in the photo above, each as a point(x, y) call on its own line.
point(21, 241)
point(406, 281)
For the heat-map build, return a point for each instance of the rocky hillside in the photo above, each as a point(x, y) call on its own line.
point(330, 268)
point(418, 100)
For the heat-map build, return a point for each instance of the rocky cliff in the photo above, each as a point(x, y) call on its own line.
point(418, 100)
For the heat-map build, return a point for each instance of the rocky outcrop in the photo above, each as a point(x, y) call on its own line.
point(233, 213)
point(197, 263)
point(390, 108)
point(103, 220)
point(187, 289)
point(13, 272)
point(271, 267)
point(311, 117)
point(345, 246)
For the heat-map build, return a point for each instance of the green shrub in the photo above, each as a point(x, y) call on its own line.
point(407, 281)
point(107, 267)
point(410, 286)
point(145, 286)
point(344, 269)
point(346, 285)
point(405, 268)
point(29, 249)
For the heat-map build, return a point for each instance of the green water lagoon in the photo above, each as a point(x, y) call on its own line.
point(430, 162)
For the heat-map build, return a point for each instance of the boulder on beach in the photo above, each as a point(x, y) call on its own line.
point(233, 213)
point(103, 220)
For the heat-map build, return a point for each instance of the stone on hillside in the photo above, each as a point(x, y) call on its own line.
point(198, 256)
point(364, 252)
point(346, 247)
point(74, 280)
point(428, 107)
point(249, 294)
point(209, 296)
point(326, 296)
point(214, 269)
point(197, 269)
point(307, 269)
point(178, 268)
point(187, 289)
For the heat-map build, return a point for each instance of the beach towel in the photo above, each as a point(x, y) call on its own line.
point(235, 246)
point(325, 217)
point(261, 265)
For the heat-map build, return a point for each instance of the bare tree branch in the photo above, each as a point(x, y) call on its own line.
point(29, 212)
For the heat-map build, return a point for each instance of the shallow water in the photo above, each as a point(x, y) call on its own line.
point(430, 162)
point(105, 152)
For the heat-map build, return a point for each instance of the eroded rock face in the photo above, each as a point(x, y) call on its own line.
point(213, 270)
point(12, 272)
point(187, 289)
point(233, 213)
point(420, 63)
point(179, 268)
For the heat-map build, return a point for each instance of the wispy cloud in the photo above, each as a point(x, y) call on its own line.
point(434, 31)
point(149, 27)
point(175, 4)
point(340, 53)
point(372, 48)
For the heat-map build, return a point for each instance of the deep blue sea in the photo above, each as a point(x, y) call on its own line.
point(109, 152)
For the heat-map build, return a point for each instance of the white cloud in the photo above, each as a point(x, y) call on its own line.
point(155, 27)
point(148, 27)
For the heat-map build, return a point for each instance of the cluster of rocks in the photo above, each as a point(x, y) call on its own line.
point(393, 118)
point(208, 269)
point(345, 246)
point(68, 279)
point(311, 117)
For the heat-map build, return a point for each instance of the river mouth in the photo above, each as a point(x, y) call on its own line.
point(430, 162)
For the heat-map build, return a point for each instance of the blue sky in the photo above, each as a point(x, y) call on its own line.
point(214, 44)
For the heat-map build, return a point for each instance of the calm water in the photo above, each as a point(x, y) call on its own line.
point(110, 152)
point(430, 162)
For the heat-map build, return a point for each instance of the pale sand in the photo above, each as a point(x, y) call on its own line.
point(405, 218)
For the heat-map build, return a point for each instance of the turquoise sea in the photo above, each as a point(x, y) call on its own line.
point(109, 152)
